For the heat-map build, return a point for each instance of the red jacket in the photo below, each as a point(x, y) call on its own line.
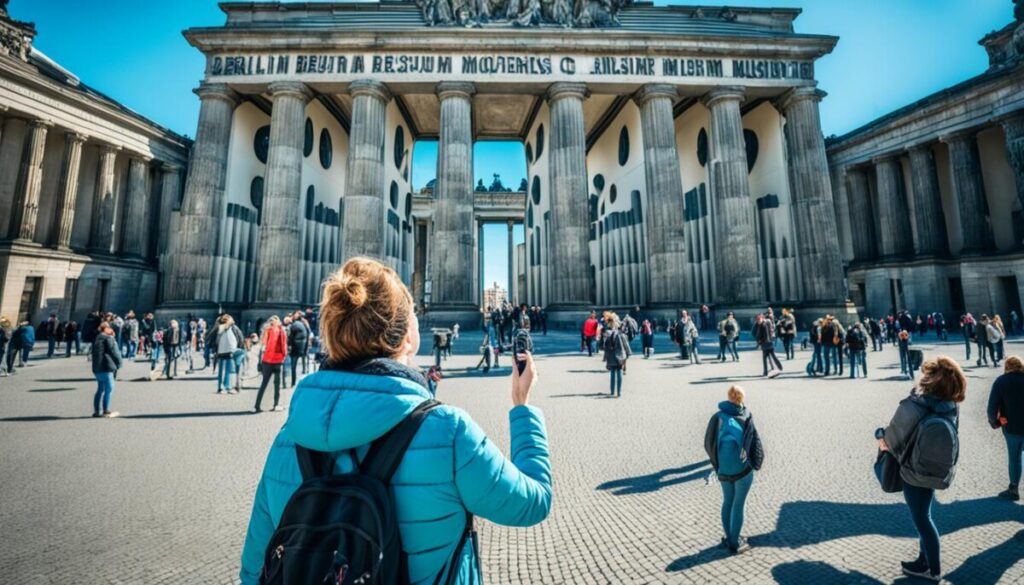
point(590, 327)
point(275, 346)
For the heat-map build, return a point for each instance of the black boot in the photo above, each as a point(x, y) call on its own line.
point(1011, 493)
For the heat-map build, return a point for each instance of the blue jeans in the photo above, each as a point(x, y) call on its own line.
point(133, 348)
point(154, 357)
point(816, 359)
point(616, 381)
point(104, 386)
point(831, 357)
point(733, 501)
point(919, 500)
point(227, 367)
point(857, 355)
point(1015, 447)
point(51, 346)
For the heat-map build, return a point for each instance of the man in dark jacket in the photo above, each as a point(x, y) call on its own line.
point(106, 360)
point(298, 342)
point(71, 337)
point(764, 334)
point(1006, 412)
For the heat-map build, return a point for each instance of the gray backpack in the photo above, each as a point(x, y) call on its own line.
point(934, 452)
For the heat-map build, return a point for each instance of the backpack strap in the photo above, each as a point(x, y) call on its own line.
point(382, 460)
point(314, 463)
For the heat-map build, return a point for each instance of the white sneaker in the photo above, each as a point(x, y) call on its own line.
point(277, 408)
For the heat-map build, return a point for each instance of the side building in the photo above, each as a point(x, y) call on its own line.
point(930, 198)
point(88, 190)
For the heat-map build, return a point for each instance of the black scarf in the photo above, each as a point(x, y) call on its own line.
point(379, 367)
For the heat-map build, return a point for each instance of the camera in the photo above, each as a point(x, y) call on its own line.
point(522, 343)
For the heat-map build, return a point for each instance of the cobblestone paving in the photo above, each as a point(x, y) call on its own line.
point(162, 494)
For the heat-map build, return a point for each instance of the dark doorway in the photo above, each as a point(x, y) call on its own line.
point(956, 295)
point(30, 298)
point(896, 294)
point(1010, 293)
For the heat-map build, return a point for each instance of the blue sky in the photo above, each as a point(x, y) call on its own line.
point(890, 53)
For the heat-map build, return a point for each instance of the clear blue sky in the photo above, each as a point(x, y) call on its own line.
point(890, 53)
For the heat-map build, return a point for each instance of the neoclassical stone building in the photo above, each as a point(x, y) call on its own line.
point(674, 154)
point(929, 198)
point(87, 190)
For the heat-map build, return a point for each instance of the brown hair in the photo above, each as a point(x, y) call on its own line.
point(1013, 364)
point(943, 379)
point(364, 312)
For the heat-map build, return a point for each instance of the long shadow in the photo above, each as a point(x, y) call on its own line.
point(494, 373)
point(42, 418)
point(813, 522)
point(52, 389)
point(587, 371)
point(989, 565)
point(803, 572)
point(187, 415)
point(653, 482)
point(725, 379)
point(590, 395)
point(67, 380)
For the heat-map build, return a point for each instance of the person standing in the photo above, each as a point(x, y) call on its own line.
point(923, 437)
point(996, 335)
point(589, 332)
point(147, 326)
point(171, 342)
point(1006, 412)
point(131, 334)
point(367, 386)
point(51, 329)
point(616, 352)
point(734, 448)
point(723, 340)
point(856, 343)
point(981, 337)
point(298, 337)
point(647, 338)
point(787, 331)
point(72, 337)
point(967, 329)
point(228, 340)
point(875, 328)
point(5, 340)
point(1014, 322)
point(24, 340)
point(764, 334)
point(106, 361)
point(275, 346)
point(906, 367)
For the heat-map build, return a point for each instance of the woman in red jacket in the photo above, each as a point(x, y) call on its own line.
point(275, 347)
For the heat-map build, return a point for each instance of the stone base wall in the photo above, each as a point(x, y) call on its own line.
point(990, 285)
point(130, 285)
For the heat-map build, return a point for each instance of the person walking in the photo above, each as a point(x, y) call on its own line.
point(856, 343)
point(275, 346)
point(589, 332)
point(764, 334)
point(228, 340)
point(647, 338)
point(875, 327)
point(1006, 412)
point(691, 337)
point(967, 329)
point(451, 470)
point(996, 335)
point(616, 352)
point(22, 342)
point(922, 436)
point(106, 361)
point(734, 448)
point(51, 330)
point(981, 338)
point(171, 340)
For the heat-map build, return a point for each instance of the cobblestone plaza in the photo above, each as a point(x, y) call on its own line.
point(162, 494)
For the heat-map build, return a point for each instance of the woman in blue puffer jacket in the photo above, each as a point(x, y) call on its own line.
point(370, 334)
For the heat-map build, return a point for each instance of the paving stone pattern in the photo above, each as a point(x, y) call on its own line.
point(162, 494)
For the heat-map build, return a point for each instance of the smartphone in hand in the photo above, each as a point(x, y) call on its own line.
point(522, 343)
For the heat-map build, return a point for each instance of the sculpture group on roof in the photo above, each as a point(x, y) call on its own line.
point(564, 13)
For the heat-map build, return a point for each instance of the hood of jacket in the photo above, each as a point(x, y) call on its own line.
point(740, 412)
point(933, 404)
point(339, 409)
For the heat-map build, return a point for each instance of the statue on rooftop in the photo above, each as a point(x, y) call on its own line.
point(565, 13)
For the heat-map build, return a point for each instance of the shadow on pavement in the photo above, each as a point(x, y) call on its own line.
point(55, 380)
point(644, 484)
point(814, 522)
point(187, 414)
point(989, 565)
point(590, 395)
point(801, 572)
point(42, 418)
point(52, 389)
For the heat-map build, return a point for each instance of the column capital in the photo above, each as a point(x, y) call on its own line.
point(139, 158)
point(463, 89)
point(564, 89)
point(886, 157)
point(655, 90)
point(799, 94)
point(295, 89)
point(40, 123)
point(73, 136)
point(722, 93)
point(217, 91)
point(370, 87)
point(919, 147)
point(959, 135)
point(169, 167)
point(109, 149)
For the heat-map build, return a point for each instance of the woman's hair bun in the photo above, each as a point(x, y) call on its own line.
point(354, 291)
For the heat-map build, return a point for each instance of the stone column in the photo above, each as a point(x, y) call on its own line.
point(452, 284)
point(932, 238)
point(737, 273)
point(1013, 127)
point(363, 231)
point(104, 204)
point(970, 192)
point(194, 244)
point(862, 216)
point(25, 206)
point(512, 276)
point(666, 242)
point(170, 190)
point(817, 235)
point(895, 237)
point(133, 235)
point(280, 232)
point(67, 190)
point(570, 224)
point(840, 200)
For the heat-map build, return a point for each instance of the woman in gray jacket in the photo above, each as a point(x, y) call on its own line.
point(616, 352)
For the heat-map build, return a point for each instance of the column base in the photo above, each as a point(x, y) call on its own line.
point(468, 316)
point(181, 310)
point(260, 312)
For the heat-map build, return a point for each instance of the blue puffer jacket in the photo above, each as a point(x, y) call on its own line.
point(451, 465)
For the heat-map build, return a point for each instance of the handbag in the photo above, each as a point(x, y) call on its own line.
point(887, 471)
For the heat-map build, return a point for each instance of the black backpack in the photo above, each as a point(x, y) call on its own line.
point(343, 529)
point(934, 452)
